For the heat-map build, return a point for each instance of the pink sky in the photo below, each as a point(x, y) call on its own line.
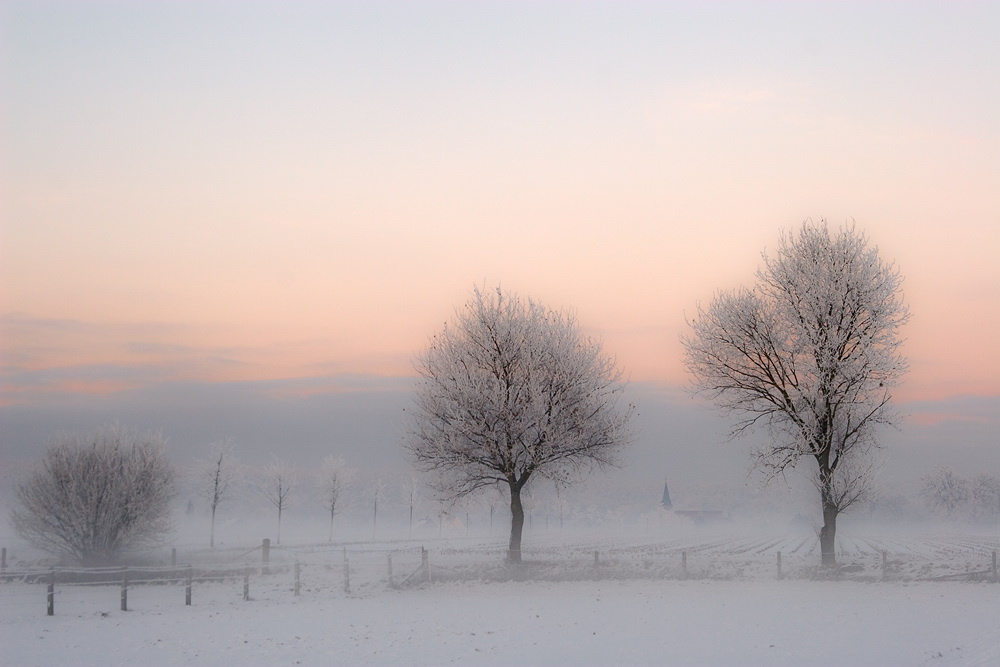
point(210, 192)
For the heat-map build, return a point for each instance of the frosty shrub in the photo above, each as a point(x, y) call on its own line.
point(92, 500)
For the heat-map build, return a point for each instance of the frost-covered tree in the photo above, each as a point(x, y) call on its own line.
point(810, 354)
point(948, 494)
point(334, 479)
point(217, 478)
point(276, 485)
point(945, 492)
point(93, 499)
point(410, 491)
point(493, 499)
point(984, 492)
point(560, 504)
point(378, 496)
point(511, 390)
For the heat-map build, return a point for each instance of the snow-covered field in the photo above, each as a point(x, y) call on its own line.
point(933, 605)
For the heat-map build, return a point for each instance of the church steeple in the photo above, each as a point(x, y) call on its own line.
point(666, 496)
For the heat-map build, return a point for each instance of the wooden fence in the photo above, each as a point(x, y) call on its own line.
point(334, 571)
point(366, 568)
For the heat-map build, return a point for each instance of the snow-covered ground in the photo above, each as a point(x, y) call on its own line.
point(934, 607)
point(518, 623)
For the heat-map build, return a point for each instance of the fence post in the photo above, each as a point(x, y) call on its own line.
point(779, 565)
point(246, 585)
point(995, 565)
point(684, 564)
point(347, 577)
point(124, 589)
point(3, 559)
point(596, 558)
point(885, 564)
point(391, 583)
point(173, 557)
point(425, 563)
point(296, 579)
point(52, 592)
point(187, 590)
point(265, 556)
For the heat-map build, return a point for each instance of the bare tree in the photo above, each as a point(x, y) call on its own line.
point(276, 485)
point(511, 390)
point(218, 478)
point(952, 496)
point(494, 497)
point(945, 492)
point(561, 505)
point(985, 497)
point(334, 479)
point(378, 495)
point(810, 354)
point(93, 499)
point(411, 494)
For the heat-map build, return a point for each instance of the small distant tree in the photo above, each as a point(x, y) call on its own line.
point(378, 496)
point(493, 499)
point(93, 499)
point(811, 354)
point(984, 491)
point(334, 479)
point(945, 492)
point(276, 485)
point(511, 390)
point(218, 478)
point(411, 495)
point(561, 505)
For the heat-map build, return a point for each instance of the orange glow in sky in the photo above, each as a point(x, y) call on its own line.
point(220, 192)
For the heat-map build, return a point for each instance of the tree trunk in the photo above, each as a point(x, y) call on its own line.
point(331, 525)
point(211, 539)
point(828, 533)
point(516, 525)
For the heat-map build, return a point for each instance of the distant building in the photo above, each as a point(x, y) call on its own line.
point(697, 516)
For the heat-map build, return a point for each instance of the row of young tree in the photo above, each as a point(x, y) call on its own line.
point(222, 478)
point(511, 392)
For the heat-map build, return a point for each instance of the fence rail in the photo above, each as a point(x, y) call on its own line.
point(328, 571)
point(294, 570)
